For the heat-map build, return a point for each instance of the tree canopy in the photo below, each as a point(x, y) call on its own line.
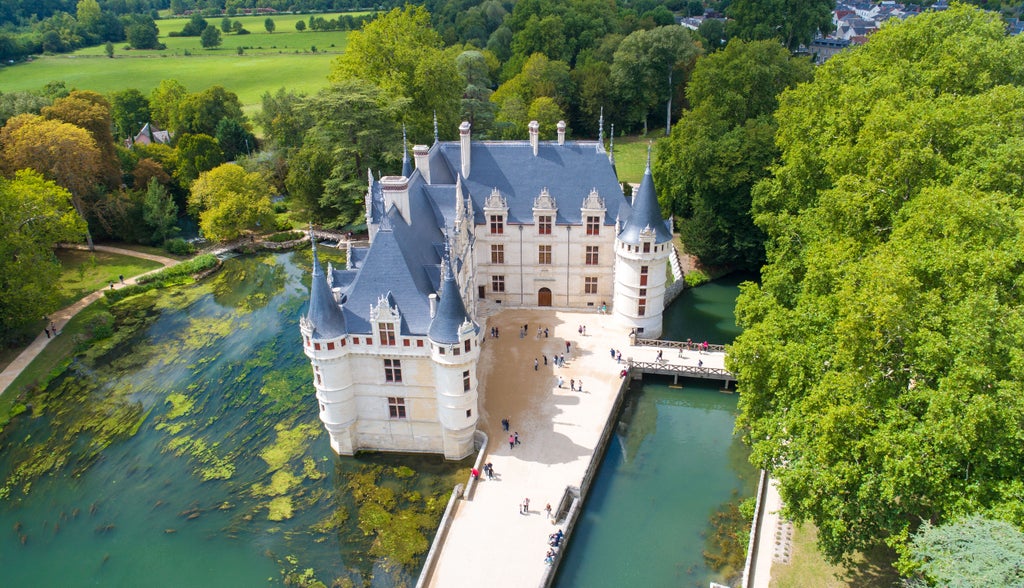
point(229, 201)
point(794, 22)
point(35, 214)
point(880, 368)
point(973, 552)
point(723, 146)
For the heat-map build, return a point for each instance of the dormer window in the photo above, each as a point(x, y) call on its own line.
point(544, 225)
point(497, 224)
point(593, 225)
point(496, 211)
point(544, 209)
point(387, 333)
point(592, 212)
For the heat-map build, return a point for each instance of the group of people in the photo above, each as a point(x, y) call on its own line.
point(555, 542)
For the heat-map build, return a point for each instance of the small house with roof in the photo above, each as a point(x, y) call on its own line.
point(394, 337)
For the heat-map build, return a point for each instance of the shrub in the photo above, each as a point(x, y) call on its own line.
point(179, 246)
point(282, 237)
point(280, 207)
point(179, 274)
point(696, 278)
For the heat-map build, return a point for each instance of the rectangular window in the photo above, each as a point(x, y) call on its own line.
point(469, 343)
point(465, 381)
point(544, 254)
point(647, 247)
point(643, 275)
point(497, 254)
point(419, 342)
point(593, 225)
point(396, 407)
point(393, 371)
point(590, 285)
point(316, 346)
point(330, 345)
point(497, 224)
point(497, 283)
point(387, 333)
point(643, 291)
point(641, 308)
point(544, 225)
point(591, 255)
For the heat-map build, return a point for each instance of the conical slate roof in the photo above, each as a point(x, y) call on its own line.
point(451, 313)
point(324, 313)
point(646, 214)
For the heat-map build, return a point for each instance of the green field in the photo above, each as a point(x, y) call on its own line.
point(270, 61)
point(631, 155)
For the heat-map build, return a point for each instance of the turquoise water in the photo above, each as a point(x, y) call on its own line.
point(672, 464)
point(185, 450)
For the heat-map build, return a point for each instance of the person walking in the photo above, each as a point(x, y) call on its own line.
point(504, 423)
point(560, 381)
point(547, 509)
point(545, 359)
point(525, 507)
point(515, 437)
point(47, 329)
point(535, 364)
point(511, 442)
point(572, 384)
point(579, 385)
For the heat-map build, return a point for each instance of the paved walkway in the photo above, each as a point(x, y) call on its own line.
point(61, 317)
point(771, 542)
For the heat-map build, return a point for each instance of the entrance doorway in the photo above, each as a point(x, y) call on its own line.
point(481, 292)
point(544, 297)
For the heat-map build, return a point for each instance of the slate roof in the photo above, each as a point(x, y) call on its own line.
point(451, 312)
point(568, 171)
point(646, 213)
point(324, 313)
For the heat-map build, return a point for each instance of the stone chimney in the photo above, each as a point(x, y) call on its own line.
point(464, 136)
point(396, 191)
point(420, 154)
point(561, 132)
point(534, 136)
point(433, 304)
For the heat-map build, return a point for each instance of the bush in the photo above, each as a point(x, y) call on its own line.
point(179, 274)
point(280, 207)
point(282, 224)
point(696, 278)
point(282, 237)
point(179, 246)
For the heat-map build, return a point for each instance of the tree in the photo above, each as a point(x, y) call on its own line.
point(210, 38)
point(230, 201)
point(129, 111)
point(21, 102)
point(160, 212)
point(355, 129)
point(878, 365)
point(793, 22)
point(722, 147)
point(547, 113)
point(142, 33)
point(225, 25)
point(283, 119)
point(540, 77)
point(59, 151)
point(200, 113)
point(300, 25)
point(195, 26)
point(165, 103)
point(90, 111)
point(196, 154)
point(402, 55)
point(713, 33)
point(234, 138)
point(108, 48)
point(973, 552)
point(35, 215)
point(269, 25)
point(650, 67)
point(477, 107)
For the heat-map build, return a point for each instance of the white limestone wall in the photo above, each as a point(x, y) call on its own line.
point(457, 408)
point(629, 290)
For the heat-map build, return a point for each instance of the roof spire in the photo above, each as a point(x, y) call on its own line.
point(312, 239)
point(324, 314)
point(406, 166)
point(435, 127)
point(611, 146)
point(649, 156)
point(600, 128)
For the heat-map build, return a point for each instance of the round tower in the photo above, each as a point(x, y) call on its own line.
point(324, 340)
point(455, 351)
point(642, 249)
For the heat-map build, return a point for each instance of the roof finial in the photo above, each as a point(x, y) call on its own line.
point(435, 127)
point(611, 146)
point(312, 239)
point(406, 167)
point(600, 128)
point(649, 156)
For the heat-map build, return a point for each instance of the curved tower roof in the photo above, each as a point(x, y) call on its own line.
point(324, 313)
point(451, 312)
point(646, 213)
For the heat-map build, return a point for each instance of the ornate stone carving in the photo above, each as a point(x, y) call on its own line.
point(384, 312)
point(544, 201)
point(496, 200)
point(593, 201)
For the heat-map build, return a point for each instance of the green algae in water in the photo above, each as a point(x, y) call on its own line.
point(201, 394)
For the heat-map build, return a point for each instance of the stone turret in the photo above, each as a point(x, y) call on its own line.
point(642, 248)
point(455, 351)
point(325, 339)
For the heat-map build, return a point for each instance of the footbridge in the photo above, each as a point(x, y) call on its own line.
point(685, 359)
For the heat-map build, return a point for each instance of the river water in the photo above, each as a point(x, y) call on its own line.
point(185, 450)
point(672, 466)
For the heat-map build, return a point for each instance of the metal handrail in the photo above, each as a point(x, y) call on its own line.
point(690, 346)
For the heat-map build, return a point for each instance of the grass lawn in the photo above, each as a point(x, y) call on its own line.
point(808, 568)
point(85, 272)
point(59, 351)
point(631, 155)
point(270, 61)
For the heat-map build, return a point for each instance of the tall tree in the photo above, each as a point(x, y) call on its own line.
point(973, 552)
point(794, 22)
point(129, 111)
point(165, 103)
point(283, 119)
point(651, 66)
point(202, 112)
point(879, 366)
point(230, 201)
point(402, 55)
point(35, 215)
point(355, 130)
point(90, 111)
point(196, 154)
point(722, 147)
point(210, 38)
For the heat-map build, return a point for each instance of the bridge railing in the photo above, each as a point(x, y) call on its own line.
point(663, 366)
point(690, 346)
